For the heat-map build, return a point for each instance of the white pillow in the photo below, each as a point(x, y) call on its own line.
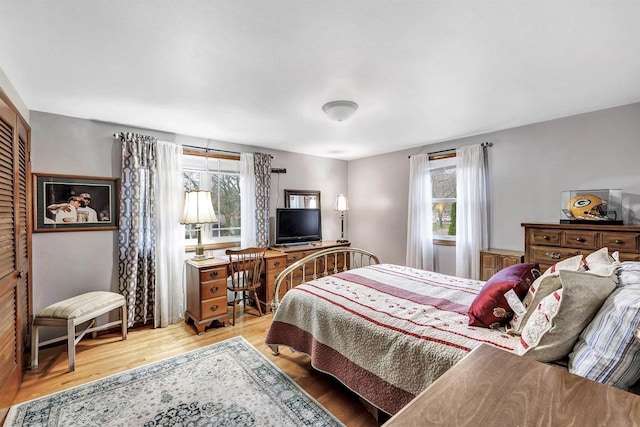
point(541, 287)
point(558, 320)
point(601, 263)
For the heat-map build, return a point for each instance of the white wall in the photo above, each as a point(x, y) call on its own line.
point(68, 263)
point(529, 167)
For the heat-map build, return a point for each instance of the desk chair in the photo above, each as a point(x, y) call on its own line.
point(245, 270)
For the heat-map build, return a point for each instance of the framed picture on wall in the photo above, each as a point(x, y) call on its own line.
point(74, 203)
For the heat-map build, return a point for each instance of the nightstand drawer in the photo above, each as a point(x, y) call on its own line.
point(213, 307)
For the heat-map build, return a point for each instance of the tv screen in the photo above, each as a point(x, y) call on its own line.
point(298, 226)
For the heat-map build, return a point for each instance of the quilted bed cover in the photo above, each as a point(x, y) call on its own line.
point(385, 331)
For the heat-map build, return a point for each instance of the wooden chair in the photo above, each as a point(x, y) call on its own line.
point(245, 270)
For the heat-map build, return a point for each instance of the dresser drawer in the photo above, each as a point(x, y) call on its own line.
point(213, 307)
point(629, 242)
point(276, 263)
point(213, 289)
point(629, 257)
point(208, 274)
point(551, 255)
point(295, 256)
point(580, 239)
point(544, 236)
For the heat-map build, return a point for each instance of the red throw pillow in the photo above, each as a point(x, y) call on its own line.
point(490, 308)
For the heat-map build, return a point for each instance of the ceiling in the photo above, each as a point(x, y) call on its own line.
point(257, 72)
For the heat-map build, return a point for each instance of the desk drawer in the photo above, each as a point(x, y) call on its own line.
point(213, 307)
point(213, 289)
point(208, 274)
point(628, 242)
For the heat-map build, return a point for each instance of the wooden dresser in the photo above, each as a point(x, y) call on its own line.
point(280, 258)
point(206, 292)
point(494, 260)
point(549, 243)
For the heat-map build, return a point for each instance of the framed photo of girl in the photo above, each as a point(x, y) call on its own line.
point(75, 203)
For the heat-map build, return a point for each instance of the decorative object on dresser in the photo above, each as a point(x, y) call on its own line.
point(342, 205)
point(588, 206)
point(494, 260)
point(229, 383)
point(206, 292)
point(245, 270)
point(198, 210)
point(549, 243)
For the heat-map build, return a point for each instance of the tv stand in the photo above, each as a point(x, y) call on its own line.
point(280, 257)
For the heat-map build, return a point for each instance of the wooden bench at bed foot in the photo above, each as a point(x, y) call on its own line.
point(75, 311)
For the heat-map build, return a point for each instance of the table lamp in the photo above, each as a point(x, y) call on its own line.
point(342, 204)
point(198, 210)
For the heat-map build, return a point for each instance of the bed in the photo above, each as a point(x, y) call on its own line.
point(387, 331)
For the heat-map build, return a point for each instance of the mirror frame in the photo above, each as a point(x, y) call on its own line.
point(289, 193)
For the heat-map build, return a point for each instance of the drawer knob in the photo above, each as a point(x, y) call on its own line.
point(545, 237)
point(580, 239)
point(618, 242)
point(213, 274)
point(276, 264)
point(553, 255)
point(213, 307)
point(213, 289)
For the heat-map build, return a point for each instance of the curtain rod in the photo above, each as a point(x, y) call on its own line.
point(205, 149)
point(484, 144)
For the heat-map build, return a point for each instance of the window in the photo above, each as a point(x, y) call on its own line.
point(222, 177)
point(443, 195)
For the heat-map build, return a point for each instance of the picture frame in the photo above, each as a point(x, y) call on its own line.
point(75, 203)
point(307, 199)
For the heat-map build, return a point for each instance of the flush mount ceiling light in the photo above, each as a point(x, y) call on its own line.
point(340, 110)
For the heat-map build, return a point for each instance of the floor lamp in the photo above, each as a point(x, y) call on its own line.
point(342, 205)
point(198, 210)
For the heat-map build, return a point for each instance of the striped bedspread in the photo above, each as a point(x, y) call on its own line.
point(385, 331)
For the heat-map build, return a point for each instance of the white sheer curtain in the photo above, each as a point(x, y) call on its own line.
point(247, 201)
point(170, 292)
point(420, 222)
point(472, 222)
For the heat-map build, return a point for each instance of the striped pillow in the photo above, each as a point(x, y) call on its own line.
point(608, 351)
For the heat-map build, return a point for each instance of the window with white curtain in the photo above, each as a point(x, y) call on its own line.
point(443, 197)
point(222, 177)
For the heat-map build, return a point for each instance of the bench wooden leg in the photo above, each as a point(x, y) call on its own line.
point(34, 347)
point(123, 316)
point(71, 344)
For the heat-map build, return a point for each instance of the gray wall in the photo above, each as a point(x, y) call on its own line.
point(68, 263)
point(529, 167)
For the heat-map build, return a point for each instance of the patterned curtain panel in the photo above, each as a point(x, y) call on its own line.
point(262, 169)
point(137, 238)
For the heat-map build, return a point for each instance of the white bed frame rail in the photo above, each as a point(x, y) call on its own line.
point(315, 265)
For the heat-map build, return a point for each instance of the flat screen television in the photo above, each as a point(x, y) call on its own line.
point(297, 226)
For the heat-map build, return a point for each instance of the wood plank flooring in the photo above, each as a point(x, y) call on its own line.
point(108, 355)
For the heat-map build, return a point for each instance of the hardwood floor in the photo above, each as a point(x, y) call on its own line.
point(108, 355)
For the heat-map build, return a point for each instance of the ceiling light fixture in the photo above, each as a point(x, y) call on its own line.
point(340, 110)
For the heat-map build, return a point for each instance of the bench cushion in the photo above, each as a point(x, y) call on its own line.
point(80, 305)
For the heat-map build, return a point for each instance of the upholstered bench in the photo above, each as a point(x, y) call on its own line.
point(73, 312)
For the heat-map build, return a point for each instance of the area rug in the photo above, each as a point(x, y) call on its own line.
point(224, 384)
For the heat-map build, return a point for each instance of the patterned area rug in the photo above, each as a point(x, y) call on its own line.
point(225, 384)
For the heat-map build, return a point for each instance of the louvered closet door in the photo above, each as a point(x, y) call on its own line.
point(13, 205)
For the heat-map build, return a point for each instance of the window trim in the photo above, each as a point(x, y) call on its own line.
point(440, 239)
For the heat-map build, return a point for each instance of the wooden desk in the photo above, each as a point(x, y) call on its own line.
point(492, 387)
point(207, 283)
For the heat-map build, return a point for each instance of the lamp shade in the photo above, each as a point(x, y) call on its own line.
point(339, 110)
point(342, 204)
point(198, 208)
